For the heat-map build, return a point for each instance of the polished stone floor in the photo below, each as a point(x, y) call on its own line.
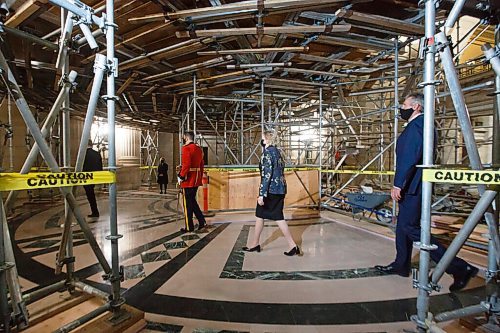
point(204, 282)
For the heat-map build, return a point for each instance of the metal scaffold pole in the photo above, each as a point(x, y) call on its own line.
point(262, 114)
point(396, 114)
point(112, 63)
point(428, 161)
point(242, 133)
point(4, 306)
point(493, 267)
point(11, 136)
point(195, 101)
point(466, 127)
point(320, 130)
point(68, 258)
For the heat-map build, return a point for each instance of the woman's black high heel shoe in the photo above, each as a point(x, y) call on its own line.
point(292, 252)
point(253, 249)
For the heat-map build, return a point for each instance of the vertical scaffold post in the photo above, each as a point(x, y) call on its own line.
point(113, 237)
point(491, 281)
point(425, 232)
point(4, 306)
point(195, 101)
point(66, 154)
point(396, 113)
point(262, 114)
point(320, 132)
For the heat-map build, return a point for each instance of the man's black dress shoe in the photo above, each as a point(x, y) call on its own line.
point(184, 230)
point(93, 215)
point(460, 281)
point(201, 226)
point(253, 249)
point(390, 269)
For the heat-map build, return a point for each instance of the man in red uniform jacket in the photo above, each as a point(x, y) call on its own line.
point(189, 178)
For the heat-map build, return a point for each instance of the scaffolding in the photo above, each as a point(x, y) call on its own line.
point(321, 127)
point(319, 124)
point(104, 66)
point(149, 156)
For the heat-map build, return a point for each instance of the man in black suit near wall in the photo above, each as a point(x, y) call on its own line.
point(92, 162)
point(407, 190)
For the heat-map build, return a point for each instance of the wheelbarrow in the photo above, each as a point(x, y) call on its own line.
point(362, 202)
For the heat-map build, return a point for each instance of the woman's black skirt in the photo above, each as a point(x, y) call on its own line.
point(272, 209)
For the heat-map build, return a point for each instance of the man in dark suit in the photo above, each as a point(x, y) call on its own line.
point(407, 191)
point(92, 162)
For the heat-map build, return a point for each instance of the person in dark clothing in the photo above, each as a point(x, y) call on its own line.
point(272, 192)
point(163, 175)
point(407, 191)
point(92, 162)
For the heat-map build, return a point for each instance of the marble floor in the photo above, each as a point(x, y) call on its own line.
point(204, 282)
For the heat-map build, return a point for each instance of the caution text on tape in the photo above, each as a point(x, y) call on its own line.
point(16, 181)
point(488, 177)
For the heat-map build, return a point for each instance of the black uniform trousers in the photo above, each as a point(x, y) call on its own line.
point(408, 231)
point(89, 191)
point(190, 207)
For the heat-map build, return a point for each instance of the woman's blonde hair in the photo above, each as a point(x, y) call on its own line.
point(271, 137)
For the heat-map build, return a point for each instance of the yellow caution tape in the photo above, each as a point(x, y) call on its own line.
point(257, 169)
point(365, 172)
point(488, 177)
point(231, 169)
point(16, 181)
point(40, 169)
point(301, 169)
point(254, 169)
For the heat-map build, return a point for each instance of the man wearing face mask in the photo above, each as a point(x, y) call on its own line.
point(189, 178)
point(407, 191)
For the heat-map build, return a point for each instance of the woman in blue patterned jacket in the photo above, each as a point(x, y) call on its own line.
point(272, 192)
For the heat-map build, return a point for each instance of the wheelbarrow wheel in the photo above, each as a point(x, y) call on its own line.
point(384, 215)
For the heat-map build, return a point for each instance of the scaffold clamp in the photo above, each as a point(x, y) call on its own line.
point(6, 266)
point(114, 237)
point(435, 286)
point(419, 323)
point(424, 247)
point(108, 97)
point(490, 274)
point(112, 278)
point(112, 67)
point(65, 261)
point(429, 83)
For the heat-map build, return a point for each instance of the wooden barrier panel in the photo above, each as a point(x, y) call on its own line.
point(239, 189)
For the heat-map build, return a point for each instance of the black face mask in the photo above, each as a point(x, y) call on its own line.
point(406, 113)
point(262, 143)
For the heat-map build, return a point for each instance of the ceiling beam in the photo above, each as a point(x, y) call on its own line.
point(24, 12)
point(264, 30)
point(349, 42)
point(127, 83)
point(390, 23)
point(341, 62)
point(189, 69)
point(253, 51)
point(252, 5)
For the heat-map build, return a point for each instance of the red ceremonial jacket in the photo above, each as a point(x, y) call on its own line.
point(192, 165)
